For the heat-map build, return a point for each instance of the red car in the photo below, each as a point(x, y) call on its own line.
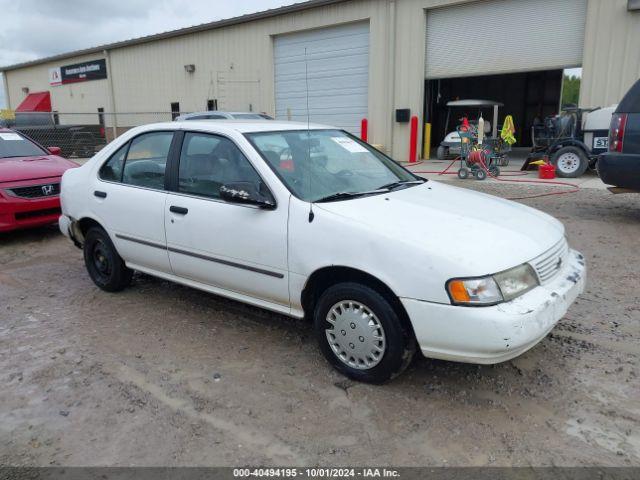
point(29, 182)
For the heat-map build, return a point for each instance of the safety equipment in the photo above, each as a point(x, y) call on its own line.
point(508, 130)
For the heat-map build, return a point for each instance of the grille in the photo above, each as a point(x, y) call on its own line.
point(36, 191)
point(549, 264)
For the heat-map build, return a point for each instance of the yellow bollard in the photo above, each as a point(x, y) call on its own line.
point(427, 141)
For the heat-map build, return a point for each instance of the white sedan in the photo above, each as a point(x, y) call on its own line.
point(311, 222)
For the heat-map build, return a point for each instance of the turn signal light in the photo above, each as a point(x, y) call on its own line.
point(458, 291)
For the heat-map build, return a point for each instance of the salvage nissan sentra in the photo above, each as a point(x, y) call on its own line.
point(312, 222)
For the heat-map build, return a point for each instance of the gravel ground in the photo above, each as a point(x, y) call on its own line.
point(165, 375)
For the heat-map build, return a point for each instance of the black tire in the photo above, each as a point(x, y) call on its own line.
point(442, 152)
point(106, 268)
point(494, 170)
point(480, 174)
point(399, 342)
point(575, 154)
point(463, 173)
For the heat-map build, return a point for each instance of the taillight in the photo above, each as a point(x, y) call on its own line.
point(616, 131)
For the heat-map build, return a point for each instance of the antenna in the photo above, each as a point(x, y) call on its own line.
point(306, 81)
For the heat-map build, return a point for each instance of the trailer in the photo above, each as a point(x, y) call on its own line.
point(572, 140)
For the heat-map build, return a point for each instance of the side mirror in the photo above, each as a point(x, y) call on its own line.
point(248, 193)
point(54, 150)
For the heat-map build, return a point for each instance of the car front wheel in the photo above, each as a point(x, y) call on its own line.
point(106, 268)
point(361, 334)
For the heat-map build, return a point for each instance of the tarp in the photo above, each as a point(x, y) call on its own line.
point(36, 102)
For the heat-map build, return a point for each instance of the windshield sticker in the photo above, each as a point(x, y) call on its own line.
point(10, 136)
point(350, 145)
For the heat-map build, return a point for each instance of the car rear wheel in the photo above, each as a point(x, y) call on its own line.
point(442, 152)
point(570, 162)
point(106, 268)
point(361, 334)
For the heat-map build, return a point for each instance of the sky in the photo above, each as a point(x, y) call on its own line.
point(34, 29)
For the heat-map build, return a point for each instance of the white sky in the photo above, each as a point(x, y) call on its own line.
point(34, 29)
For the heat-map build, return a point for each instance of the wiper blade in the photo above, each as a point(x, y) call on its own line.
point(345, 195)
point(392, 185)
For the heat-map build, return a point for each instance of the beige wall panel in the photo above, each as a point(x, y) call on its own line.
point(611, 62)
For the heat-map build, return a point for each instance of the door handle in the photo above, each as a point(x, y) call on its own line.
point(178, 210)
point(100, 194)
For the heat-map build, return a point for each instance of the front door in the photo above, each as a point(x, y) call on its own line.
point(238, 248)
point(129, 199)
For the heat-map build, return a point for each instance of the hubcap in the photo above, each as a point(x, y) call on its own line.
point(568, 162)
point(355, 335)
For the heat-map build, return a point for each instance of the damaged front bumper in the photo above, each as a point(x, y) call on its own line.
point(501, 332)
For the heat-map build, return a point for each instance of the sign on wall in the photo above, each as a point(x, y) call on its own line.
point(78, 72)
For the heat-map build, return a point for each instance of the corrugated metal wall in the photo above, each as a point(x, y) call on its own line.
point(611, 62)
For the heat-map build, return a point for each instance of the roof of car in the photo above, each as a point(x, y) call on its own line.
point(219, 112)
point(243, 126)
point(474, 103)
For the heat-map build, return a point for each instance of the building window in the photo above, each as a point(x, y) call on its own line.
point(212, 104)
point(175, 110)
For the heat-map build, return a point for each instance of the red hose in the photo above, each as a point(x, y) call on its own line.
point(573, 188)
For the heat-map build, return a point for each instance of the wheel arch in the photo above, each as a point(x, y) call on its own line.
point(79, 229)
point(325, 277)
point(570, 143)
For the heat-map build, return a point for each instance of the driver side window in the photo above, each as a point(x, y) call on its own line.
point(209, 161)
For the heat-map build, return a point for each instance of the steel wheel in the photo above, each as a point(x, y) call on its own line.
point(101, 259)
point(356, 335)
point(568, 163)
point(106, 268)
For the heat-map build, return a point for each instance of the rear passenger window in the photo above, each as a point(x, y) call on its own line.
point(208, 161)
point(112, 170)
point(147, 159)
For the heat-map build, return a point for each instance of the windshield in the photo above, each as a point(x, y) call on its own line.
point(15, 145)
point(317, 164)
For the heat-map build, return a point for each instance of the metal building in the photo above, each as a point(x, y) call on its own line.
point(354, 59)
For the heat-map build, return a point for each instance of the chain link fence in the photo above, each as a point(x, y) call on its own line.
point(78, 135)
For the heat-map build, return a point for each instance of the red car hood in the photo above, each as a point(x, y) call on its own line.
point(31, 168)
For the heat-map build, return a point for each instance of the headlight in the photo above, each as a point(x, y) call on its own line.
point(492, 289)
point(474, 291)
point(516, 281)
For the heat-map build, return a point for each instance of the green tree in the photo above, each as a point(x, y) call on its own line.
point(570, 89)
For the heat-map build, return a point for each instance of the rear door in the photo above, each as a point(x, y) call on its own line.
point(129, 199)
point(230, 246)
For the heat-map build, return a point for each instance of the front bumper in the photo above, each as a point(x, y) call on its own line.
point(501, 332)
point(18, 212)
point(454, 147)
point(620, 169)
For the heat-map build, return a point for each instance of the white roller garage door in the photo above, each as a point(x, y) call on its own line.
point(504, 36)
point(338, 75)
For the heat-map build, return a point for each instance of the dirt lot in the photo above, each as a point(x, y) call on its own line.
point(165, 375)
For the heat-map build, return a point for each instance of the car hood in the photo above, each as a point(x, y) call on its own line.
point(482, 233)
point(28, 168)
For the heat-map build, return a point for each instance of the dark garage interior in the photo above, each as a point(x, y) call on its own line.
point(526, 96)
